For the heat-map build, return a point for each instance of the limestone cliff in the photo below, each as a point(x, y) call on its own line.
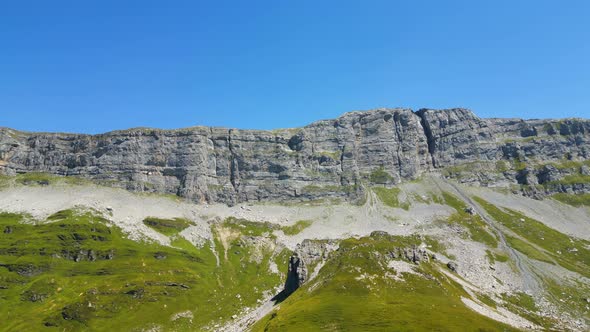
point(329, 159)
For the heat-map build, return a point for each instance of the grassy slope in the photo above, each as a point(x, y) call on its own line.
point(389, 197)
point(297, 228)
point(573, 199)
point(569, 252)
point(135, 286)
point(42, 286)
point(551, 247)
point(167, 226)
point(341, 300)
point(478, 230)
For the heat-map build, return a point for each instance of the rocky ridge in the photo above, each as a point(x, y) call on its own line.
point(328, 159)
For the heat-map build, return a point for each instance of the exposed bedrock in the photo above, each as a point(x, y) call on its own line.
point(329, 159)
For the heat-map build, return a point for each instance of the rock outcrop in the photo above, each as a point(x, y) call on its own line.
point(327, 159)
point(308, 254)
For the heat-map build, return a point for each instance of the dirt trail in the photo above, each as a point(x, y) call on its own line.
point(529, 279)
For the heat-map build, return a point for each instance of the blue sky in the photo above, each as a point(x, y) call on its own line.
point(95, 66)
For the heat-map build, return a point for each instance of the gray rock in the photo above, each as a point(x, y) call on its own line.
point(415, 255)
point(326, 159)
point(471, 210)
point(307, 253)
point(452, 266)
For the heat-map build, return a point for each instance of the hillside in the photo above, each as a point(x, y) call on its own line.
point(387, 220)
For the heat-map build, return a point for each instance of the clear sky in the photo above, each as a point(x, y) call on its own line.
point(98, 65)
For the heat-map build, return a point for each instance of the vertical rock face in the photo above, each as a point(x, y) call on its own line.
point(326, 159)
point(307, 253)
point(455, 135)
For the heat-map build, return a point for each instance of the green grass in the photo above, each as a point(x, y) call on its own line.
point(487, 300)
point(311, 202)
point(525, 306)
point(353, 293)
point(380, 176)
point(572, 179)
point(522, 300)
point(494, 257)
point(528, 250)
point(519, 165)
point(247, 227)
point(334, 155)
point(479, 231)
point(296, 228)
point(37, 178)
point(389, 197)
point(569, 252)
point(456, 171)
point(568, 164)
point(4, 181)
point(167, 227)
point(569, 296)
point(320, 190)
point(576, 200)
point(572, 168)
point(79, 272)
point(502, 166)
point(44, 179)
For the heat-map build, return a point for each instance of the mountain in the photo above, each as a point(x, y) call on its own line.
point(384, 220)
point(327, 159)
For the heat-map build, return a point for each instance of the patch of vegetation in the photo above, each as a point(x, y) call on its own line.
point(548, 128)
point(494, 257)
point(571, 253)
point(572, 169)
point(184, 244)
point(37, 178)
point(63, 214)
point(247, 227)
point(380, 176)
point(527, 249)
point(167, 227)
point(296, 228)
point(457, 170)
point(522, 300)
point(389, 197)
point(572, 179)
point(215, 187)
point(428, 198)
point(525, 306)
point(4, 180)
point(479, 231)
point(519, 165)
point(78, 272)
point(567, 164)
point(334, 155)
point(355, 274)
point(521, 139)
point(569, 296)
point(311, 202)
point(487, 300)
point(502, 166)
point(315, 189)
point(11, 218)
point(576, 200)
point(392, 218)
point(487, 168)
